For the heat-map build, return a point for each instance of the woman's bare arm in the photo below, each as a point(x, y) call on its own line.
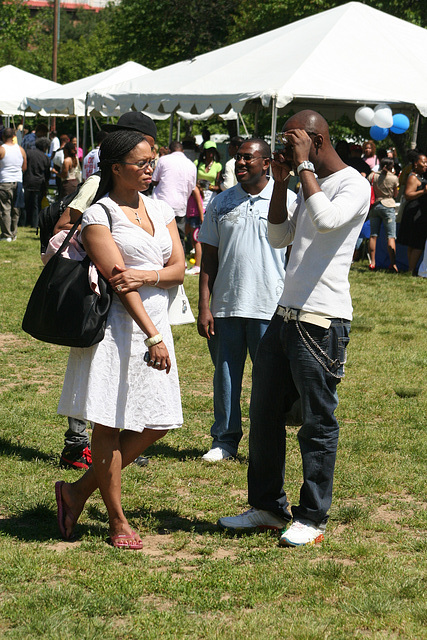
point(411, 192)
point(104, 253)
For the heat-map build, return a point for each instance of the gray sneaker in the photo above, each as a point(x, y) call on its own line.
point(253, 519)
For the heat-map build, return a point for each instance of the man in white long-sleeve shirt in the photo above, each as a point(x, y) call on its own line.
point(303, 351)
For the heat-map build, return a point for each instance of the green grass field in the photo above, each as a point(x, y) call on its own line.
point(367, 580)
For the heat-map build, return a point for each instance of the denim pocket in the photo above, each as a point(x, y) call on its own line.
point(339, 339)
point(328, 346)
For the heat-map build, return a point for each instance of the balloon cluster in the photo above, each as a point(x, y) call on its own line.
point(381, 120)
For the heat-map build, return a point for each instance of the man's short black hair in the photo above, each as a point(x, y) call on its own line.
point(264, 147)
point(236, 141)
point(175, 146)
point(42, 144)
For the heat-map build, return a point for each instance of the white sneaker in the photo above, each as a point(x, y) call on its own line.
point(253, 519)
point(194, 271)
point(300, 534)
point(217, 454)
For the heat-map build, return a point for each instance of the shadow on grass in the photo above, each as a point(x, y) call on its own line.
point(39, 524)
point(8, 448)
point(163, 450)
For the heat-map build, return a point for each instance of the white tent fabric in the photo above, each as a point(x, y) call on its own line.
point(70, 98)
point(16, 84)
point(352, 53)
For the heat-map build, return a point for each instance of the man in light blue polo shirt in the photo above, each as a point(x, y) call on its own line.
point(242, 279)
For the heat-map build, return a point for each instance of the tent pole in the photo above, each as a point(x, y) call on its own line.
point(171, 127)
point(178, 128)
point(77, 135)
point(85, 127)
point(91, 131)
point(243, 123)
point(273, 123)
point(415, 133)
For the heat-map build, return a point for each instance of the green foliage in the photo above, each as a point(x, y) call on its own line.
point(253, 17)
point(170, 30)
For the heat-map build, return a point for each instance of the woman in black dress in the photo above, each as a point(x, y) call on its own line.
point(413, 228)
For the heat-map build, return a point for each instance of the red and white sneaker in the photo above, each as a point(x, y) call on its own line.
point(76, 457)
point(300, 534)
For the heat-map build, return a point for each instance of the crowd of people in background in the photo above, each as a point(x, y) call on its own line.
point(398, 201)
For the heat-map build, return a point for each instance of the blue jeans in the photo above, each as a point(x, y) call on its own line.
point(387, 215)
point(228, 348)
point(285, 369)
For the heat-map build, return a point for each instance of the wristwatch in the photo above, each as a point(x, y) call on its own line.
point(305, 166)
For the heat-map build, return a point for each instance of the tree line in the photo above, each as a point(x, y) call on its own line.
point(154, 34)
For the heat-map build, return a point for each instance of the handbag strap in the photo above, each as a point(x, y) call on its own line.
point(72, 231)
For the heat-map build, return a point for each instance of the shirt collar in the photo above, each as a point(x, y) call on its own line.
point(265, 194)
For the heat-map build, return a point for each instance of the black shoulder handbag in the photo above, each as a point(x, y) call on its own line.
point(62, 308)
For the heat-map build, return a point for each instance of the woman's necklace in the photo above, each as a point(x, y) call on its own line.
point(135, 212)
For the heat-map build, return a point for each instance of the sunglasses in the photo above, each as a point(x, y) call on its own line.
point(248, 157)
point(142, 164)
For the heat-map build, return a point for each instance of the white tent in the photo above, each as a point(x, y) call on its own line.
point(350, 55)
point(70, 98)
point(16, 84)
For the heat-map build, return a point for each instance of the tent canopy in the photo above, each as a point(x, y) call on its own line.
point(70, 98)
point(350, 54)
point(16, 84)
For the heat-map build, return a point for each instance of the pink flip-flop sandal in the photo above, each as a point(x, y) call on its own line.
point(125, 541)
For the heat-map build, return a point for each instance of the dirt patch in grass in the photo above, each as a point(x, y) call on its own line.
point(63, 545)
point(162, 548)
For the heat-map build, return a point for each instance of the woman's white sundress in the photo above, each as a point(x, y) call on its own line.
point(110, 383)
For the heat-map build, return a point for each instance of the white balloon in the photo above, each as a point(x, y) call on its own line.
point(383, 116)
point(365, 116)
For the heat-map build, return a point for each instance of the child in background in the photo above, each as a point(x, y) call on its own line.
point(194, 220)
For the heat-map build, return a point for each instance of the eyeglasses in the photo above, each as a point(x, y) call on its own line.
point(142, 164)
point(280, 137)
point(248, 157)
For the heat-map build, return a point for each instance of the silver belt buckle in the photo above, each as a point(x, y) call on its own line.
point(289, 314)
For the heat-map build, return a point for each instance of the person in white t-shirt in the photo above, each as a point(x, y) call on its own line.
point(303, 351)
point(229, 176)
point(242, 279)
point(174, 179)
point(91, 160)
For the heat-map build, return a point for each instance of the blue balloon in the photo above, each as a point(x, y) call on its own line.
point(400, 123)
point(378, 133)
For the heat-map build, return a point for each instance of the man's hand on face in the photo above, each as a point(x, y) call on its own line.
point(301, 144)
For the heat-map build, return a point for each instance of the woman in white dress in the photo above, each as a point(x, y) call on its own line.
point(128, 383)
